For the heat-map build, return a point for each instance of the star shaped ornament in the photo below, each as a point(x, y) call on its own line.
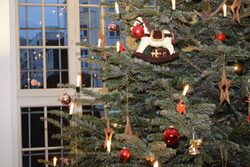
point(224, 86)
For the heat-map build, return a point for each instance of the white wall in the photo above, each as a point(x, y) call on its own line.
point(8, 118)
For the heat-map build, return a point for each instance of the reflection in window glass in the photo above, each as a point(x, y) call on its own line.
point(30, 1)
point(90, 72)
point(31, 66)
point(57, 67)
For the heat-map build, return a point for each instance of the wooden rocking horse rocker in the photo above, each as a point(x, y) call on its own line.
point(163, 40)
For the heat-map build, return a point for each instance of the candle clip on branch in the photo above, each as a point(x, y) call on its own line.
point(208, 13)
point(235, 8)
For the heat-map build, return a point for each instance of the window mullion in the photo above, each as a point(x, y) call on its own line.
point(46, 135)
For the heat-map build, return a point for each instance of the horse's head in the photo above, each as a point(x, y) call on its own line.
point(143, 23)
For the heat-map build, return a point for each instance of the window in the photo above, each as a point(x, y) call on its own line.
point(37, 141)
point(43, 43)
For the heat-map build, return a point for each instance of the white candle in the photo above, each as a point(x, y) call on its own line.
point(185, 90)
point(108, 146)
point(71, 108)
point(117, 8)
point(118, 46)
point(224, 10)
point(54, 161)
point(78, 80)
point(173, 4)
point(99, 42)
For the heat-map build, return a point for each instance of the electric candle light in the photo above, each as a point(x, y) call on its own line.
point(78, 83)
point(54, 161)
point(173, 4)
point(117, 8)
point(224, 10)
point(71, 110)
point(118, 46)
point(185, 90)
point(108, 145)
point(156, 164)
point(99, 42)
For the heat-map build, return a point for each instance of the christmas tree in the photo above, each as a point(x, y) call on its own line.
point(174, 98)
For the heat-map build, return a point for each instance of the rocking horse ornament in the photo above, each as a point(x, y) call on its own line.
point(162, 40)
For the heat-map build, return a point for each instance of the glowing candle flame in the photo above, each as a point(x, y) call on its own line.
point(224, 10)
point(117, 8)
point(71, 108)
point(185, 90)
point(118, 46)
point(78, 80)
point(156, 164)
point(99, 42)
point(54, 161)
point(108, 146)
point(173, 4)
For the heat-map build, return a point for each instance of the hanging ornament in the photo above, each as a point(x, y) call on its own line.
point(163, 40)
point(181, 108)
point(112, 27)
point(125, 154)
point(33, 82)
point(235, 8)
point(128, 129)
point(195, 145)
point(65, 99)
point(238, 68)
point(224, 86)
point(221, 37)
point(171, 136)
point(137, 31)
point(65, 160)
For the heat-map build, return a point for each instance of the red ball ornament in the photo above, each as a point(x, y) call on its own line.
point(221, 37)
point(171, 136)
point(137, 31)
point(125, 154)
point(65, 99)
point(112, 27)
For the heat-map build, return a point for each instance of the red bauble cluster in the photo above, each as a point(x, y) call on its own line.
point(65, 99)
point(112, 27)
point(137, 31)
point(125, 154)
point(221, 37)
point(171, 136)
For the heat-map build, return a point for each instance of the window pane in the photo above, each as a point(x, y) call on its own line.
point(30, 158)
point(23, 38)
point(89, 1)
point(35, 59)
point(23, 59)
point(53, 78)
point(52, 37)
point(56, 1)
point(34, 17)
point(36, 80)
point(37, 125)
point(35, 38)
point(30, 1)
point(24, 80)
point(89, 17)
point(51, 17)
point(64, 59)
point(22, 16)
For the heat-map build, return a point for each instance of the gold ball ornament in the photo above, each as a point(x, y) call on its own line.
point(238, 68)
